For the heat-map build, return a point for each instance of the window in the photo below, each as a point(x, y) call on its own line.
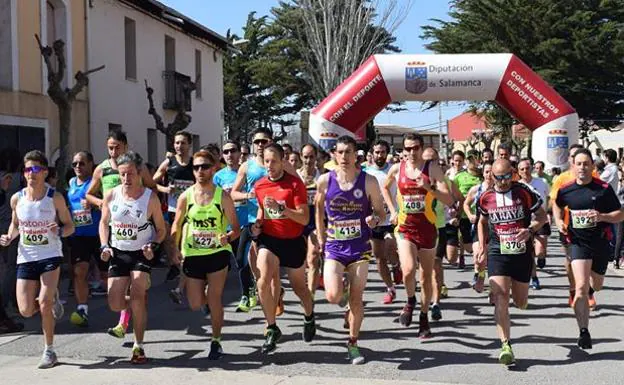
point(130, 42)
point(51, 27)
point(7, 49)
point(170, 64)
point(196, 144)
point(198, 72)
point(24, 138)
point(152, 146)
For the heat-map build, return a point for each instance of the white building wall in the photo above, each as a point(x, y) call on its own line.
point(115, 99)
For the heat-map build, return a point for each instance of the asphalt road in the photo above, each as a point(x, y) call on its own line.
point(464, 348)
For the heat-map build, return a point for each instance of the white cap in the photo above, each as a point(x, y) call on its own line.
point(361, 153)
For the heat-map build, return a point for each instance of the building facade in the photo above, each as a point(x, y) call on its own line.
point(143, 40)
point(28, 118)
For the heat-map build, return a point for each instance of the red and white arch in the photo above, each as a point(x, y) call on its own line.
point(503, 78)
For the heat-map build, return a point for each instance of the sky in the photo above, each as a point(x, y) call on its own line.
point(223, 15)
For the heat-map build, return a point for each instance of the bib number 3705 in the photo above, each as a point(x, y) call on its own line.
point(510, 246)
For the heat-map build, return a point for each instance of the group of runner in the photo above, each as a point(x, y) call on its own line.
point(332, 218)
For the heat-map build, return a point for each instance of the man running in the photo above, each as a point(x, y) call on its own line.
point(309, 175)
point(225, 179)
point(129, 244)
point(282, 214)
point(505, 228)
point(541, 237)
point(37, 211)
point(419, 183)
point(84, 243)
point(593, 206)
point(382, 238)
point(105, 178)
point(173, 177)
point(206, 211)
point(345, 196)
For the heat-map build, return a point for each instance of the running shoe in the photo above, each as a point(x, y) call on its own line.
point(253, 301)
point(243, 305)
point(592, 301)
point(48, 360)
point(173, 273)
point(535, 283)
point(309, 330)
point(279, 309)
point(216, 351)
point(98, 291)
point(389, 296)
point(436, 313)
point(462, 262)
point(79, 318)
point(506, 356)
point(176, 296)
point(397, 274)
point(138, 356)
point(9, 326)
point(444, 291)
point(118, 331)
point(355, 357)
point(273, 335)
point(541, 262)
point(584, 340)
point(478, 281)
point(405, 318)
point(345, 324)
point(424, 331)
point(345, 293)
point(57, 308)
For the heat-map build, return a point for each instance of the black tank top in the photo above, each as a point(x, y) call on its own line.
point(176, 171)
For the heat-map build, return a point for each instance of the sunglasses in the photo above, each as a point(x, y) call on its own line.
point(410, 149)
point(34, 169)
point(260, 141)
point(503, 177)
point(203, 167)
point(78, 164)
point(230, 151)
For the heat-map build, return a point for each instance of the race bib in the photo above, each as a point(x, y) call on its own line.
point(82, 217)
point(125, 232)
point(204, 239)
point(275, 214)
point(510, 246)
point(311, 195)
point(228, 188)
point(347, 230)
point(581, 220)
point(413, 204)
point(35, 236)
point(180, 185)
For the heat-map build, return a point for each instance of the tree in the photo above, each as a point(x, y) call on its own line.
point(62, 97)
point(575, 45)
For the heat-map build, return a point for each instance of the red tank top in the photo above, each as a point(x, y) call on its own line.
point(416, 204)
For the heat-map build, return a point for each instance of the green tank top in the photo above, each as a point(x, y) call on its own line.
point(110, 176)
point(440, 207)
point(203, 226)
point(465, 181)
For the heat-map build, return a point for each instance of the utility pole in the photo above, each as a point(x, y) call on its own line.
point(440, 130)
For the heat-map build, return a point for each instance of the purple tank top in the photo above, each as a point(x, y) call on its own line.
point(347, 232)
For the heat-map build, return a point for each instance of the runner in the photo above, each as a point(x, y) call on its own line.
point(282, 215)
point(244, 152)
point(206, 211)
point(84, 243)
point(538, 169)
point(309, 174)
point(505, 227)
point(345, 197)
point(105, 178)
point(593, 206)
point(225, 179)
point(419, 183)
point(129, 243)
point(471, 210)
point(382, 238)
point(37, 211)
point(487, 155)
point(541, 237)
point(173, 177)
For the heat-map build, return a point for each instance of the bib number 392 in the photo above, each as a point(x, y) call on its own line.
point(510, 246)
point(581, 219)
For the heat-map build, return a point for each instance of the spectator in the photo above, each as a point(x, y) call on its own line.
point(610, 171)
point(600, 166)
point(487, 155)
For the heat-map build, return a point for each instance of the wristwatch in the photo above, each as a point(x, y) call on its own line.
point(104, 247)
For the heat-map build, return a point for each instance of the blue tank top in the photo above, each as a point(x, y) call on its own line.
point(225, 179)
point(348, 234)
point(85, 220)
point(255, 172)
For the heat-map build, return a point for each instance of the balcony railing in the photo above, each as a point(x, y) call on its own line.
point(176, 84)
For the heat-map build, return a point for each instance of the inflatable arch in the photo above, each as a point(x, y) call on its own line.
point(503, 78)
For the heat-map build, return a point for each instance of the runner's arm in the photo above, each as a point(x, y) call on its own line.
point(237, 189)
point(159, 176)
point(155, 213)
point(105, 219)
point(301, 214)
point(374, 195)
point(387, 187)
point(148, 182)
point(558, 216)
point(67, 224)
point(95, 189)
point(176, 227)
point(441, 192)
point(230, 214)
point(470, 197)
point(319, 208)
point(13, 230)
point(540, 220)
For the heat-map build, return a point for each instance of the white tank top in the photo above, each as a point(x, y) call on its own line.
point(130, 228)
point(37, 242)
point(381, 174)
